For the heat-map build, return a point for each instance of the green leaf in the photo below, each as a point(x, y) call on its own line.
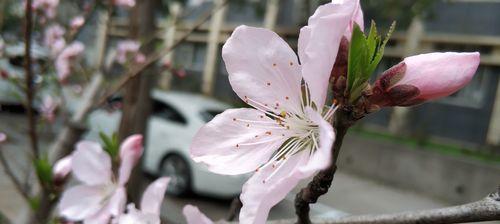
point(365, 53)
point(44, 170)
point(111, 144)
point(34, 203)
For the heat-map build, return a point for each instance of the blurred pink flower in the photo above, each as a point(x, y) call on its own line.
point(124, 3)
point(181, 72)
point(125, 50)
point(100, 196)
point(4, 74)
point(49, 7)
point(194, 216)
point(54, 39)
point(48, 108)
point(140, 58)
point(65, 58)
point(3, 137)
point(77, 22)
point(150, 205)
point(288, 136)
point(424, 77)
point(62, 168)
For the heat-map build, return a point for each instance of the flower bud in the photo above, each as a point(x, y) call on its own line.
point(424, 77)
point(61, 169)
point(131, 148)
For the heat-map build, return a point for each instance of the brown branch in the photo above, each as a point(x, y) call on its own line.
point(487, 209)
point(17, 184)
point(234, 209)
point(30, 90)
point(157, 56)
point(323, 180)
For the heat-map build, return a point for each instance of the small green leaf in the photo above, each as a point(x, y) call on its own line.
point(111, 144)
point(34, 203)
point(44, 170)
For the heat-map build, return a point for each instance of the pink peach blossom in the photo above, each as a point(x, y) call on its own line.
point(150, 205)
point(100, 196)
point(194, 216)
point(65, 58)
point(425, 77)
point(48, 108)
point(288, 136)
point(125, 50)
point(77, 22)
point(54, 39)
point(124, 3)
point(3, 137)
point(62, 168)
point(49, 7)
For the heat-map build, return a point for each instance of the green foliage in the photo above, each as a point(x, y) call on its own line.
point(43, 170)
point(34, 203)
point(111, 144)
point(365, 53)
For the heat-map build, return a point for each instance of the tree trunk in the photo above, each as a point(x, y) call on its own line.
point(136, 94)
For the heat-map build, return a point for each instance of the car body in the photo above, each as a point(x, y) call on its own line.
point(175, 119)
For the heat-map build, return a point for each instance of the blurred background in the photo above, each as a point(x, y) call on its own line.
point(437, 154)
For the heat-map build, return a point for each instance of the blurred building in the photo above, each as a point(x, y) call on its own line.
point(470, 117)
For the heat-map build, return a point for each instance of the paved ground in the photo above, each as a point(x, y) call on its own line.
point(349, 193)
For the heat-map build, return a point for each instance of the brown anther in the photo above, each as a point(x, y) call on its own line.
point(237, 145)
point(277, 104)
point(268, 133)
point(283, 135)
point(261, 116)
point(287, 98)
point(268, 84)
point(275, 108)
point(248, 125)
point(257, 170)
point(274, 165)
point(256, 136)
point(234, 119)
point(263, 181)
point(291, 63)
point(265, 104)
point(288, 127)
point(274, 64)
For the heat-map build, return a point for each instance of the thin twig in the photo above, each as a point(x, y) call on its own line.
point(30, 90)
point(157, 56)
point(234, 209)
point(487, 209)
point(17, 184)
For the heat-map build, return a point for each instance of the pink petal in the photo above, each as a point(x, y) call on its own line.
point(322, 157)
point(80, 202)
point(130, 152)
point(260, 193)
point(116, 204)
point(3, 137)
point(62, 167)
point(263, 69)
point(231, 144)
point(102, 217)
point(439, 74)
point(194, 216)
point(357, 18)
point(91, 165)
point(319, 43)
point(153, 196)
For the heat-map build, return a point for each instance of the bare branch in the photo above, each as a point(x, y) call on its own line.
point(487, 209)
point(234, 209)
point(30, 90)
point(157, 56)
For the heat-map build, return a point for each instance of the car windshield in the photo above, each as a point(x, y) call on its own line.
point(208, 115)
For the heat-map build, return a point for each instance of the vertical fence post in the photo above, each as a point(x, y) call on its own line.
point(271, 16)
point(400, 116)
point(175, 10)
point(493, 136)
point(213, 48)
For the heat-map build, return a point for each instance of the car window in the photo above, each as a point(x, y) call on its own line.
point(208, 115)
point(167, 112)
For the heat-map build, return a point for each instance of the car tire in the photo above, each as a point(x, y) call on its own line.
point(177, 168)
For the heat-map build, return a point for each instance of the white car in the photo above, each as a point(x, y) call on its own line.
point(175, 119)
